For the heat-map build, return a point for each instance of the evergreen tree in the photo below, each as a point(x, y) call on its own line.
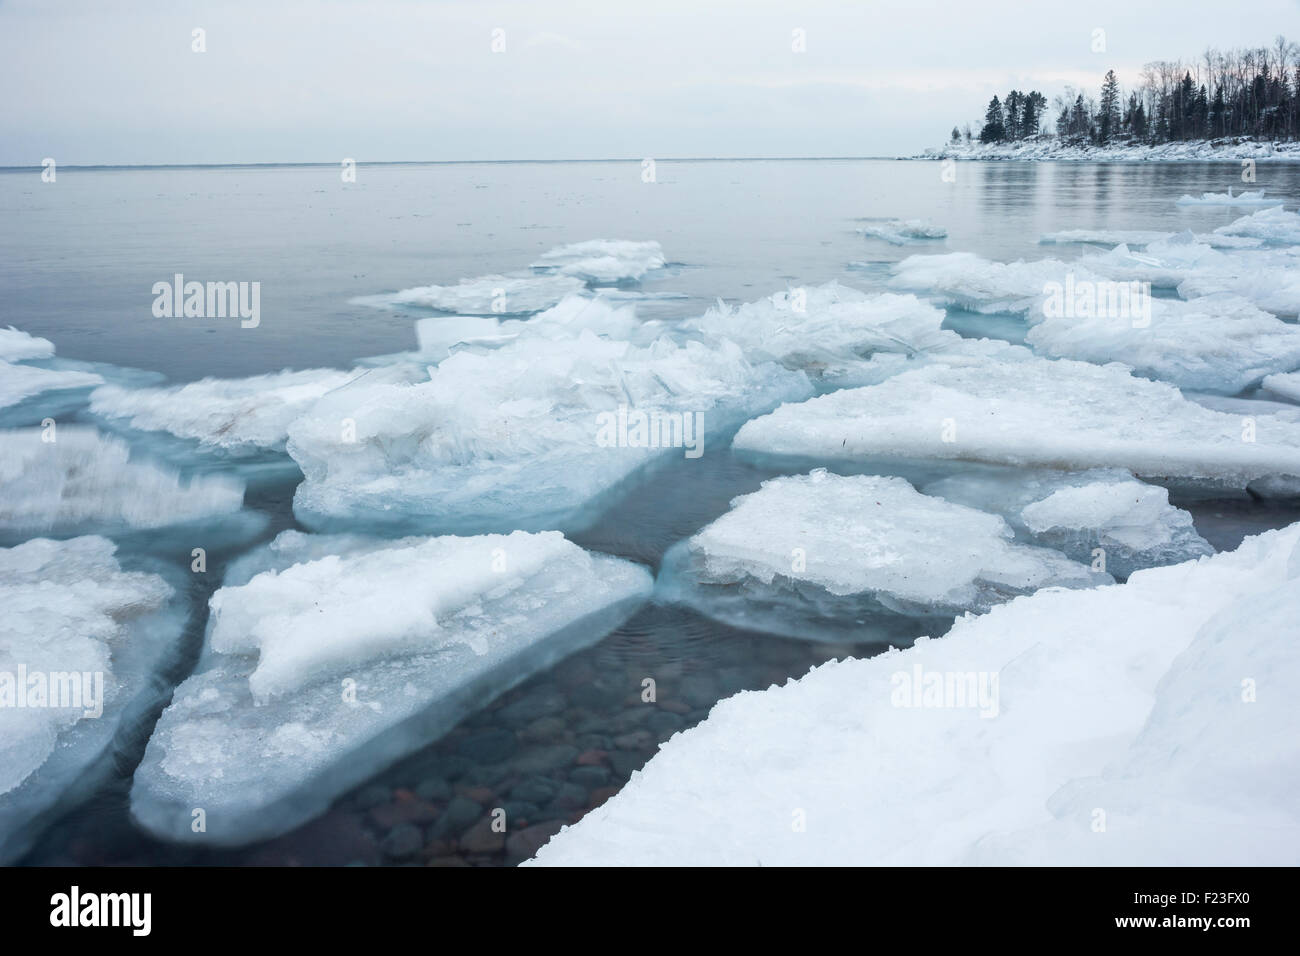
point(994, 131)
point(1109, 118)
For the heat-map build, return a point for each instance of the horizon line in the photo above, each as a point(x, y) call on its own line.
point(449, 162)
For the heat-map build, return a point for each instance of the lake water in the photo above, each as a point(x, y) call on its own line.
point(78, 259)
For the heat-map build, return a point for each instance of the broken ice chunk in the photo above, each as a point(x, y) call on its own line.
point(826, 557)
point(603, 260)
point(329, 658)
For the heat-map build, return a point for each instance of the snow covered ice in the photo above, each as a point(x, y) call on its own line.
point(1273, 225)
point(82, 481)
point(1287, 386)
point(1035, 413)
point(91, 637)
point(1078, 512)
point(1166, 701)
point(232, 415)
point(1218, 343)
point(826, 557)
point(603, 261)
point(518, 437)
point(265, 735)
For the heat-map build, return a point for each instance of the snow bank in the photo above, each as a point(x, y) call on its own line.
point(823, 557)
point(1150, 723)
point(329, 658)
point(1036, 413)
point(90, 637)
point(230, 414)
point(603, 260)
point(1052, 150)
point(1078, 512)
point(524, 436)
point(81, 481)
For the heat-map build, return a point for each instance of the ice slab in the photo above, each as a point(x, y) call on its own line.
point(997, 743)
point(70, 479)
point(17, 346)
point(979, 284)
point(330, 657)
point(231, 415)
point(1078, 513)
point(1274, 225)
point(19, 382)
point(1248, 198)
point(904, 232)
point(1141, 237)
point(826, 557)
point(82, 642)
point(603, 261)
point(1057, 414)
point(1219, 343)
point(486, 295)
point(1287, 385)
point(528, 435)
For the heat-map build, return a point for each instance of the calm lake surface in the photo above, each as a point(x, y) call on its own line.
point(78, 259)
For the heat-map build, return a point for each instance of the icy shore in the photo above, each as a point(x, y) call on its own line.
point(1149, 723)
point(1051, 150)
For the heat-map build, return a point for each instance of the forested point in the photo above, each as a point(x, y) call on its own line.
point(1249, 93)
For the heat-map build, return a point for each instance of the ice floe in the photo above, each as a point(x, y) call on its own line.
point(81, 645)
point(1164, 704)
point(487, 295)
point(1057, 414)
point(328, 658)
point(1219, 343)
point(826, 557)
point(228, 414)
point(69, 478)
point(1131, 522)
point(525, 436)
point(904, 232)
point(1248, 198)
point(1274, 225)
point(603, 260)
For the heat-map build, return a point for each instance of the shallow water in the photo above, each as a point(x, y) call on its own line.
point(79, 257)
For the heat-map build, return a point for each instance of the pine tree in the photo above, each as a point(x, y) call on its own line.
point(994, 131)
point(1109, 118)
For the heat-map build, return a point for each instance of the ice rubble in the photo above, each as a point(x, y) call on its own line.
point(77, 480)
point(488, 295)
point(1166, 702)
point(979, 284)
point(1287, 385)
point(18, 346)
point(329, 657)
point(229, 414)
point(1036, 413)
point(70, 609)
point(520, 436)
point(603, 260)
point(1248, 198)
point(1077, 512)
point(1274, 225)
point(1142, 237)
point(904, 232)
point(1219, 343)
point(823, 557)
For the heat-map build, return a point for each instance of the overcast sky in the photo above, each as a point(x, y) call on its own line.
point(116, 81)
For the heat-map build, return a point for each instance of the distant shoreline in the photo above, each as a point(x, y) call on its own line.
point(1051, 150)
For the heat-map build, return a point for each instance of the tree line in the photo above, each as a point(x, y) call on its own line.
point(1249, 93)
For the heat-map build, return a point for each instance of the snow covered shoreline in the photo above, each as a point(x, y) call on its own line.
point(1136, 724)
point(1051, 150)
